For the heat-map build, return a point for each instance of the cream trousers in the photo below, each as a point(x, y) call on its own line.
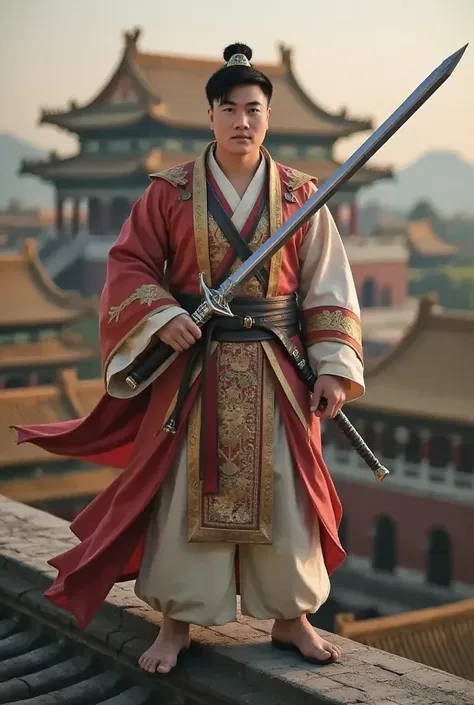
point(195, 582)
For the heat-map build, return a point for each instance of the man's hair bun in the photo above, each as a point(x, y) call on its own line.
point(237, 49)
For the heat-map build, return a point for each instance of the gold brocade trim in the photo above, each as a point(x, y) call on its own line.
point(200, 216)
point(276, 218)
point(334, 320)
point(296, 179)
point(242, 510)
point(175, 175)
point(272, 359)
point(145, 294)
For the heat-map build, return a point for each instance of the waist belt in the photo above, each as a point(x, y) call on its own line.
point(255, 319)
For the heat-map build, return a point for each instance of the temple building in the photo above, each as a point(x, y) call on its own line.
point(28, 474)
point(152, 114)
point(39, 355)
point(406, 537)
point(35, 317)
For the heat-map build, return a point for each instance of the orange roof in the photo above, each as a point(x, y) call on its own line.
point(20, 219)
point(170, 88)
point(64, 350)
point(425, 241)
point(441, 637)
point(29, 297)
point(428, 374)
point(99, 167)
point(68, 399)
point(82, 483)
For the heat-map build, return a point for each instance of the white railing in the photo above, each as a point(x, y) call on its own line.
point(422, 478)
point(65, 254)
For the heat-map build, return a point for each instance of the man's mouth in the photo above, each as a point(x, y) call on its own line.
point(241, 137)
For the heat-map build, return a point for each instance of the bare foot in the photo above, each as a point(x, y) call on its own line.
point(162, 656)
point(300, 634)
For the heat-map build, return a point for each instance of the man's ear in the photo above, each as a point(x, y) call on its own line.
point(211, 117)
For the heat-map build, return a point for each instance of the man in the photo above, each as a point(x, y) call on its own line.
point(224, 488)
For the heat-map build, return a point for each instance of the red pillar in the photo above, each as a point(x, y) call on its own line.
point(59, 214)
point(354, 220)
point(76, 210)
point(34, 379)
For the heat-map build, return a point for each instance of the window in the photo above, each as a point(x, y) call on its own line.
point(287, 150)
point(91, 146)
point(173, 145)
point(119, 146)
point(438, 559)
point(384, 557)
point(368, 293)
point(317, 152)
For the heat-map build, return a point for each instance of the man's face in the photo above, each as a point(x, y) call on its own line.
point(240, 124)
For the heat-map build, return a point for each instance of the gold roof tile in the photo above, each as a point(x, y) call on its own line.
point(428, 374)
point(30, 297)
point(441, 637)
point(68, 399)
point(425, 241)
point(63, 350)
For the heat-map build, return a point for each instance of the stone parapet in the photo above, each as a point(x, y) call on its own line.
point(230, 664)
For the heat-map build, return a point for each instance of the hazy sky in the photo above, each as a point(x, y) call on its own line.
point(367, 55)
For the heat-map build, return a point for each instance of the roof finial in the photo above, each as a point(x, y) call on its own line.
point(285, 54)
point(131, 38)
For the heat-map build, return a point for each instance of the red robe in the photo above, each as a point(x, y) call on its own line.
point(164, 226)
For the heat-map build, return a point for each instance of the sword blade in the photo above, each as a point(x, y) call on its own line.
point(382, 134)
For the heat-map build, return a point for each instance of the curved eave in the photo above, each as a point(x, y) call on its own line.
point(342, 125)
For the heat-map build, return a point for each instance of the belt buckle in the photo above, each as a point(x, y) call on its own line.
point(248, 322)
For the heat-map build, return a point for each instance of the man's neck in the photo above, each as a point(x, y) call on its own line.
point(238, 168)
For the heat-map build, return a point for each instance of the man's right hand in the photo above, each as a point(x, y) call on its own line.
point(180, 333)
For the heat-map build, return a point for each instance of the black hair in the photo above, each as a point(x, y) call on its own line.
point(228, 77)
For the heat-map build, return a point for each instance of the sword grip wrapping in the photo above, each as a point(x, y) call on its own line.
point(148, 366)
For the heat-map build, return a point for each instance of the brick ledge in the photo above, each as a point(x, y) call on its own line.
point(230, 664)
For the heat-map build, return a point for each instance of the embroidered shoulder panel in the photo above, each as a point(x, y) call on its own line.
point(176, 175)
point(145, 295)
point(294, 179)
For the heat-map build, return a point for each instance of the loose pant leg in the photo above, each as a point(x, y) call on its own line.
point(289, 577)
point(190, 582)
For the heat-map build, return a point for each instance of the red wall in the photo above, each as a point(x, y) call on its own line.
point(414, 516)
point(391, 274)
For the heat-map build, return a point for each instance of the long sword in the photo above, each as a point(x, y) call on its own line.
point(216, 301)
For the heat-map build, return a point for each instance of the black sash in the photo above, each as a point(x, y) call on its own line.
point(239, 246)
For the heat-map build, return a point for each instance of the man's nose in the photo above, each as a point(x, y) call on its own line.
point(241, 120)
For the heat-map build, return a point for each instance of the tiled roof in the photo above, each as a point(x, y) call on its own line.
point(82, 483)
point(441, 637)
point(29, 297)
point(425, 241)
point(170, 88)
point(70, 398)
point(90, 167)
point(63, 350)
point(428, 374)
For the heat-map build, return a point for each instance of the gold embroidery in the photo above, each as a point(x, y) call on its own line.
point(295, 179)
point(145, 294)
point(337, 320)
point(200, 216)
point(175, 175)
point(276, 219)
point(242, 511)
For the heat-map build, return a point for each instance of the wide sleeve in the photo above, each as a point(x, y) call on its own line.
point(330, 308)
point(135, 303)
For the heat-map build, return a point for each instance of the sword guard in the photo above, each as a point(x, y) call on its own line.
point(213, 304)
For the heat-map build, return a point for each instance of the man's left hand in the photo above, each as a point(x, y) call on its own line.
point(331, 388)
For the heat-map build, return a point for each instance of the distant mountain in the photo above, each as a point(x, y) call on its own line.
point(443, 178)
point(29, 190)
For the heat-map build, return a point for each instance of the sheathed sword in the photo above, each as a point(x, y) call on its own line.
point(215, 302)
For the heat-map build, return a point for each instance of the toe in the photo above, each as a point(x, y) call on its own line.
point(163, 668)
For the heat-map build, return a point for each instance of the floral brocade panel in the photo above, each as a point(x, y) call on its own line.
point(242, 510)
